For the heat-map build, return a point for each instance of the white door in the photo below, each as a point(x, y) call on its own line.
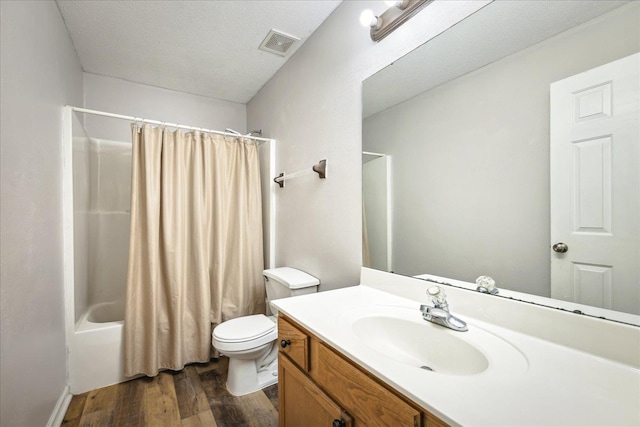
point(595, 187)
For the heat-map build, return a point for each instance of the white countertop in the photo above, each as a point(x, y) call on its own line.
point(553, 385)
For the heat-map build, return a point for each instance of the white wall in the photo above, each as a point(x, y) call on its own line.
point(375, 200)
point(313, 107)
point(471, 176)
point(40, 73)
point(134, 99)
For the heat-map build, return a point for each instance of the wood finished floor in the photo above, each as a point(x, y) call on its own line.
point(195, 396)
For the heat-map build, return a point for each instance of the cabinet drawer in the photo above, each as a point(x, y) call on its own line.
point(294, 343)
point(365, 399)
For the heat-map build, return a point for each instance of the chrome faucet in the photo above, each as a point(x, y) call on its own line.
point(438, 313)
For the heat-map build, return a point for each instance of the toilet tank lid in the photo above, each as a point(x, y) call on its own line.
point(294, 279)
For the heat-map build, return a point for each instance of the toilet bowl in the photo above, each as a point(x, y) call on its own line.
point(250, 341)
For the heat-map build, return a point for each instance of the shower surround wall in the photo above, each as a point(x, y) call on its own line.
point(109, 219)
point(101, 204)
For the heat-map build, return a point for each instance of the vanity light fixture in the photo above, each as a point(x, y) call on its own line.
point(400, 4)
point(368, 19)
point(397, 14)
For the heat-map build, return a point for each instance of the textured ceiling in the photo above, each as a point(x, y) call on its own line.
point(207, 48)
point(499, 29)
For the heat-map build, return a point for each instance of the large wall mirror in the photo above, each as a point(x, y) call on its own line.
point(459, 173)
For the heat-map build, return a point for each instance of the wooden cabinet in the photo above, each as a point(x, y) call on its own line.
point(320, 387)
point(294, 343)
point(302, 403)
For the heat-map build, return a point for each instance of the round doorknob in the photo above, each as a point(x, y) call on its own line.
point(285, 343)
point(560, 247)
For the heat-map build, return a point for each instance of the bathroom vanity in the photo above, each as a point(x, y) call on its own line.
point(364, 356)
point(316, 383)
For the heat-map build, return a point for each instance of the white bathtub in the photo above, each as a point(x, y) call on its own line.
point(95, 349)
point(101, 315)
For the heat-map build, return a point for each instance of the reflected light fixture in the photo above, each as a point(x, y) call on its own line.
point(398, 13)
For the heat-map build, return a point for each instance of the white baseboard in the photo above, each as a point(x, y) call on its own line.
point(57, 416)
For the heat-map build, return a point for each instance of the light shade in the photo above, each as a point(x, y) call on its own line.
point(368, 18)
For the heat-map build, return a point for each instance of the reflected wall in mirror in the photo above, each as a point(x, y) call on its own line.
point(376, 211)
point(465, 120)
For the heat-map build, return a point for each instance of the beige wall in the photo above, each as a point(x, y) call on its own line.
point(471, 159)
point(40, 74)
point(313, 107)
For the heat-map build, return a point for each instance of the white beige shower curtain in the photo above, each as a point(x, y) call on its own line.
point(195, 252)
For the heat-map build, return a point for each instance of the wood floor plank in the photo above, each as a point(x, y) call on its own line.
point(130, 406)
point(203, 419)
point(258, 410)
point(99, 407)
point(195, 396)
point(100, 418)
point(191, 396)
point(204, 367)
point(224, 406)
point(161, 403)
point(272, 394)
point(74, 411)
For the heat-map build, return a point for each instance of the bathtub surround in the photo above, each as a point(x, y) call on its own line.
point(195, 253)
point(101, 206)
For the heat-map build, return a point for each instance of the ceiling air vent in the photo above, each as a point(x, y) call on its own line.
point(278, 42)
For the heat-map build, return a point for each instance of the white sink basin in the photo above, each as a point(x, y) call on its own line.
point(402, 335)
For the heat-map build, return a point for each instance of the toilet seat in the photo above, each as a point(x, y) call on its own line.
point(244, 333)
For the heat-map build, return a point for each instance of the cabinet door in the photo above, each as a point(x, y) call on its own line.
point(294, 343)
point(302, 403)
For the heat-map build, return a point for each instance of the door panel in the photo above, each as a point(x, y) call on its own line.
point(595, 186)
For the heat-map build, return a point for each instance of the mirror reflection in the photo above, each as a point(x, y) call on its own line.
point(502, 137)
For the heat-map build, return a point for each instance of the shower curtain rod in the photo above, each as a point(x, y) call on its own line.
point(158, 122)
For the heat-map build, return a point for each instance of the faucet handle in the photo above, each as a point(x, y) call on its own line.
point(438, 296)
point(486, 285)
point(437, 292)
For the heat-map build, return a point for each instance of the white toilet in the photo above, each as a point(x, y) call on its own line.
point(250, 341)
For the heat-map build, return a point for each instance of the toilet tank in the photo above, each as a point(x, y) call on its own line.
point(284, 282)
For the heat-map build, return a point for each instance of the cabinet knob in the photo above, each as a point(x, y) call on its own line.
point(339, 423)
point(285, 343)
